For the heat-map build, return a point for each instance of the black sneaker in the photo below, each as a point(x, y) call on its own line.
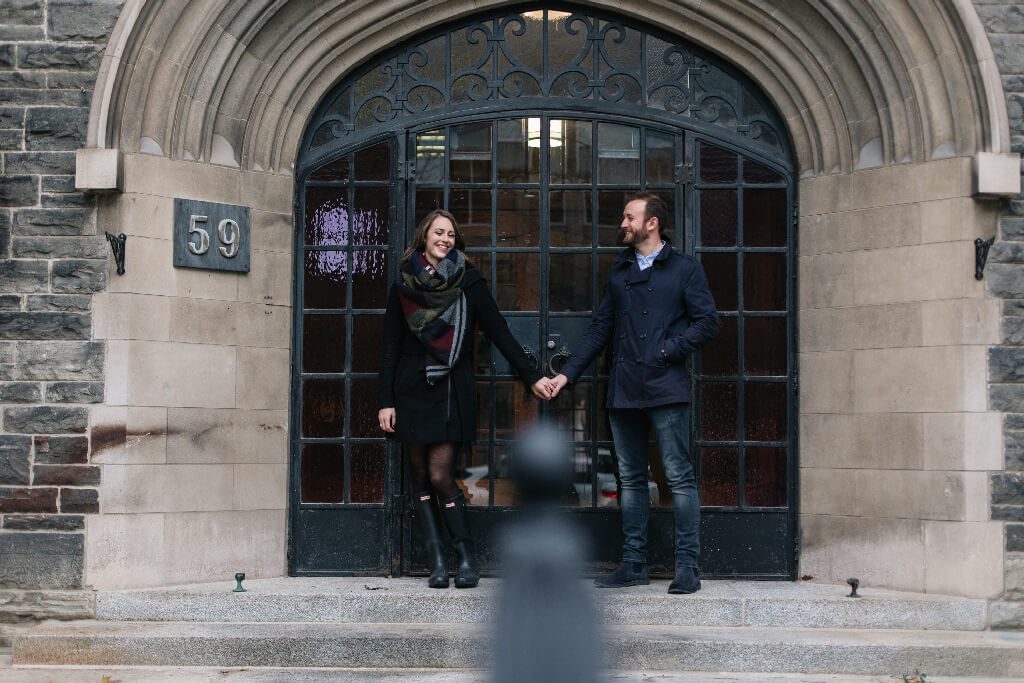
point(687, 581)
point(627, 574)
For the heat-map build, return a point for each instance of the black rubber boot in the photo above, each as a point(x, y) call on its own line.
point(454, 510)
point(437, 556)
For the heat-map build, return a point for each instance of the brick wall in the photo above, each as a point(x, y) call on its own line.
point(51, 262)
point(1004, 23)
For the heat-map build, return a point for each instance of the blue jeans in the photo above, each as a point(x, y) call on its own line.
point(671, 425)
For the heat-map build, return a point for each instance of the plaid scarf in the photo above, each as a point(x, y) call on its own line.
point(435, 308)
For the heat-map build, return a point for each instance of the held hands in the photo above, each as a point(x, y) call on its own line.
point(547, 388)
point(386, 416)
point(556, 384)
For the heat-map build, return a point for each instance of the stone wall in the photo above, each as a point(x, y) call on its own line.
point(51, 262)
point(1004, 23)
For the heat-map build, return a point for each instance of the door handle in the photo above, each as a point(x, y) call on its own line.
point(530, 354)
point(563, 353)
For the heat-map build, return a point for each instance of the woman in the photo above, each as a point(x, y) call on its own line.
point(427, 396)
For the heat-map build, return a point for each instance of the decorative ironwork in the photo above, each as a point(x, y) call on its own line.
point(981, 248)
point(576, 59)
point(117, 246)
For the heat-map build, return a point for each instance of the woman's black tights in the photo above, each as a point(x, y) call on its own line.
point(432, 466)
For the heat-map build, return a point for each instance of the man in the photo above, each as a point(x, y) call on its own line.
point(657, 310)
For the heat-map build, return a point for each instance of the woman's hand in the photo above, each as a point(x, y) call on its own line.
point(542, 389)
point(386, 416)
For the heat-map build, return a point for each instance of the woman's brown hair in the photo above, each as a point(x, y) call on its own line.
point(419, 240)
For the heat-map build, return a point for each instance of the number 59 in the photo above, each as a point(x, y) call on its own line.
point(227, 232)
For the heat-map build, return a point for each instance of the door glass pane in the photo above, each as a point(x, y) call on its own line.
point(660, 493)
point(764, 282)
point(370, 215)
point(571, 150)
point(324, 284)
point(369, 279)
point(427, 201)
point(482, 353)
point(483, 410)
point(764, 218)
point(518, 219)
point(476, 484)
point(765, 411)
point(430, 156)
point(721, 272)
point(337, 170)
point(515, 408)
point(719, 477)
point(661, 157)
point(572, 218)
point(471, 153)
point(518, 155)
point(363, 407)
point(323, 343)
point(323, 473)
point(517, 277)
point(504, 490)
point(472, 211)
point(754, 172)
point(373, 163)
point(569, 281)
point(764, 346)
point(717, 165)
point(718, 411)
point(764, 483)
point(326, 216)
point(610, 204)
point(571, 411)
point(366, 472)
point(323, 408)
point(718, 217)
point(720, 356)
point(604, 430)
point(580, 494)
point(367, 331)
point(618, 154)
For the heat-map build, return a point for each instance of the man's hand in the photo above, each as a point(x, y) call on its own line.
point(386, 416)
point(542, 389)
point(557, 382)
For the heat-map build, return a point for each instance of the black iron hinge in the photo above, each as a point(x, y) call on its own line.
point(683, 173)
point(407, 170)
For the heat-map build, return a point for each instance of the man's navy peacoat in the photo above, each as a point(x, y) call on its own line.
point(654, 318)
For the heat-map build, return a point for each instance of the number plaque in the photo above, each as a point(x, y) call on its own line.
point(211, 236)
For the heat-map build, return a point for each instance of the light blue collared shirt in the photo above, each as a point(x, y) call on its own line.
point(645, 262)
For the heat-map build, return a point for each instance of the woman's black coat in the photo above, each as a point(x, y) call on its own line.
point(422, 411)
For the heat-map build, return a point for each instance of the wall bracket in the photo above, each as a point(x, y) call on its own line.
point(117, 246)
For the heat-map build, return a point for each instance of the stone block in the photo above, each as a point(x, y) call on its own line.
point(861, 327)
point(59, 302)
point(170, 374)
point(1009, 53)
point(162, 278)
point(996, 174)
point(82, 501)
point(140, 215)
point(70, 80)
point(881, 552)
point(960, 321)
point(269, 281)
point(46, 98)
point(129, 435)
point(12, 140)
point(1006, 615)
point(59, 56)
point(23, 12)
point(1008, 488)
point(55, 128)
point(74, 392)
point(24, 276)
point(98, 169)
point(196, 435)
point(65, 475)
point(60, 247)
point(871, 441)
point(264, 326)
point(44, 522)
point(826, 382)
point(160, 176)
point(51, 163)
point(204, 321)
point(1015, 538)
point(833, 277)
point(19, 190)
point(1014, 566)
point(1011, 228)
point(919, 273)
point(210, 545)
point(1013, 331)
point(262, 380)
point(1006, 252)
point(45, 420)
point(12, 117)
point(1005, 280)
point(41, 560)
point(166, 488)
point(78, 21)
point(260, 487)
point(79, 276)
point(39, 325)
point(125, 551)
point(58, 201)
point(272, 231)
point(1007, 398)
point(10, 302)
point(27, 500)
point(930, 379)
point(268, 192)
point(1006, 364)
point(15, 452)
point(57, 183)
point(54, 222)
point(962, 441)
point(964, 549)
point(1008, 513)
point(60, 360)
point(131, 316)
point(61, 450)
point(20, 392)
point(1013, 449)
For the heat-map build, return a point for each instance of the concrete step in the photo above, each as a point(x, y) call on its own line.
point(408, 600)
point(465, 646)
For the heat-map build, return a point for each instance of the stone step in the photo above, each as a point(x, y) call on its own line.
point(464, 646)
point(408, 600)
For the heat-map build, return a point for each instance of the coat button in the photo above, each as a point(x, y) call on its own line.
point(627, 286)
point(643, 336)
point(645, 312)
point(650, 289)
point(639, 359)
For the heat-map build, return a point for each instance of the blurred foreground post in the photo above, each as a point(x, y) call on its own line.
point(546, 627)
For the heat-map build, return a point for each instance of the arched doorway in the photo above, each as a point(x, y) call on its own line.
point(532, 127)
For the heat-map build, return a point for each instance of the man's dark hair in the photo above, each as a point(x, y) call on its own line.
point(654, 207)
